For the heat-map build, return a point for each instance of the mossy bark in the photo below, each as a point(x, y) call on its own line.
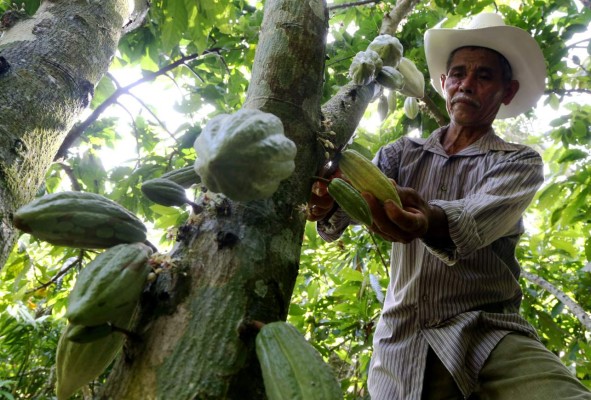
point(51, 62)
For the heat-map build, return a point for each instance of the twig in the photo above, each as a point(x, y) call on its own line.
point(61, 273)
point(77, 130)
point(70, 173)
point(353, 4)
point(575, 308)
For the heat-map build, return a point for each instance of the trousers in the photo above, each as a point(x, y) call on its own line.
point(518, 368)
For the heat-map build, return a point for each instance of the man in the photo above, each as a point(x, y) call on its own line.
point(450, 326)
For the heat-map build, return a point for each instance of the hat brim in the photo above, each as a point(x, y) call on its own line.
point(518, 47)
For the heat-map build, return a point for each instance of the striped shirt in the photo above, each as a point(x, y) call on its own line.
point(461, 301)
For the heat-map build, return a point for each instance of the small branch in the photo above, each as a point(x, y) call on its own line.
point(353, 4)
point(70, 173)
point(77, 130)
point(61, 273)
point(434, 111)
point(567, 92)
point(160, 122)
point(575, 308)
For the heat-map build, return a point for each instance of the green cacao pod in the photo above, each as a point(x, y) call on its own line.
point(79, 363)
point(389, 48)
point(244, 155)
point(87, 334)
point(292, 368)
point(364, 67)
point(414, 82)
point(390, 78)
point(365, 176)
point(186, 176)
point(79, 219)
point(411, 107)
point(164, 192)
point(350, 200)
point(109, 285)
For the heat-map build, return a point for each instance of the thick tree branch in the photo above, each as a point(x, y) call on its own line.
point(392, 19)
point(575, 308)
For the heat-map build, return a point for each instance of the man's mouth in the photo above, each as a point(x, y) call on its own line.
point(465, 100)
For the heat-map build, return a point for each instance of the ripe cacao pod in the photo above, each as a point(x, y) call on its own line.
point(292, 368)
point(79, 219)
point(390, 78)
point(109, 285)
point(79, 363)
point(364, 67)
point(411, 107)
point(389, 49)
point(414, 82)
point(186, 176)
point(367, 177)
point(244, 155)
point(165, 192)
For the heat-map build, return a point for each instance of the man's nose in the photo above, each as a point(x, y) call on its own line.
point(467, 84)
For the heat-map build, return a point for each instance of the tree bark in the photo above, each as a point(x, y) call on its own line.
point(51, 62)
point(235, 263)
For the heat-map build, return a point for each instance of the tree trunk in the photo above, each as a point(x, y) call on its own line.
point(49, 65)
point(235, 263)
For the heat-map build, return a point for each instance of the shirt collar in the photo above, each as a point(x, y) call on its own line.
point(488, 142)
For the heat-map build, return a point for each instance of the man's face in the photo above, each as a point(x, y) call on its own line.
point(473, 87)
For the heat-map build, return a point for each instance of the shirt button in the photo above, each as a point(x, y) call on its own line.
point(425, 298)
point(443, 188)
point(431, 324)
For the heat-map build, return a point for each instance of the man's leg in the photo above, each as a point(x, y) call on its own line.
point(522, 368)
point(438, 383)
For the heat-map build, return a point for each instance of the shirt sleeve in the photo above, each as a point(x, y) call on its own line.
point(493, 208)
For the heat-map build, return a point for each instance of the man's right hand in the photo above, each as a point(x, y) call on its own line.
point(320, 203)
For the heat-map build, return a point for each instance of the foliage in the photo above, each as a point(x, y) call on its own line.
point(341, 285)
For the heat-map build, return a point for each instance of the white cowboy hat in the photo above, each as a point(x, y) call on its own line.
point(489, 30)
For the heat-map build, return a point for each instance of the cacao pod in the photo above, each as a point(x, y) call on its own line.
point(109, 285)
point(292, 368)
point(79, 219)
point(186, 176)
point(79, 363)
point(364, 67)
point(86, 334)
point(165, 192)
point(411, 107)
point(390, 78)
point(244, 155)
point(389, 49)
point(367, 177)
point(350, 200)
point(414, 82)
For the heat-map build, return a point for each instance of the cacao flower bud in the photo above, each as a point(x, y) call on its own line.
point(389, 48)
point(414, 82)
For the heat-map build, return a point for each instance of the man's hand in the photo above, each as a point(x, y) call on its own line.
point(320, 203)
point(414, 220)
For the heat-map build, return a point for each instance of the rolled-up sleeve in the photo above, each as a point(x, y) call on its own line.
point(492, 208)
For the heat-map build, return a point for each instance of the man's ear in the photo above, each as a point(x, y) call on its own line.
point(442, 80)
point(510, 91)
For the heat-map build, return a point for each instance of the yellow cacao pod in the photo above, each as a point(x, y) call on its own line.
point(414, 82)
point(389, 48)
point(364, 67)
point(411, 107)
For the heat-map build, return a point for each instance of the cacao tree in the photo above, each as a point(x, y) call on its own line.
point(230, 265)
